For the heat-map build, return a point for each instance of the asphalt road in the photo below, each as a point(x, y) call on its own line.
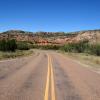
point(47, 75)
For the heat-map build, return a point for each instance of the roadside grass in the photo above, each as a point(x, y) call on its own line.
point(91, 60)
point(17, 53)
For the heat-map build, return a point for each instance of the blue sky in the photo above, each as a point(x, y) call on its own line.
point(49, 15)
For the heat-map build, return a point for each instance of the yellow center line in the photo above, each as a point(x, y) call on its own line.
point(52, 83)
point(47, 82)
point(50, 78)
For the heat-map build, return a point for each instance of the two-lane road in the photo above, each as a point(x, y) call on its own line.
point(47, 76)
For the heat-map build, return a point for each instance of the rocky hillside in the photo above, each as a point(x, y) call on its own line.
point(20, 36)
point(93, 36)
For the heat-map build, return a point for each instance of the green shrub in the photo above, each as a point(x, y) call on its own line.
point(51, 47)
point(8, 45)
point(75, 47)
point(95, 49)
point(47, 47)
point(82, 47)
point(22, 46)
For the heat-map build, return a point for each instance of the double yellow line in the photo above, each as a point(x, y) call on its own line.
point(50, 81)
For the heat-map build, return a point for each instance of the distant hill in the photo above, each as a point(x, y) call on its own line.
point(93, 36)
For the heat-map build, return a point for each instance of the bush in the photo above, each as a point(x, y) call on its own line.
point(82, 47)
point(74, 47)
point(8, 45)
point(22, 46)
point(47, 47)
point(95, 49)
point(51, 47)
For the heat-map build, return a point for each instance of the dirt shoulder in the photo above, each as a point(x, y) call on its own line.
point(9, 66)
point(87, 60)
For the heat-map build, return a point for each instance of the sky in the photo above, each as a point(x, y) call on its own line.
point(49, 15)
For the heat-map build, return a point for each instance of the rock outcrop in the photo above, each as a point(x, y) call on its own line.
point(93, 36)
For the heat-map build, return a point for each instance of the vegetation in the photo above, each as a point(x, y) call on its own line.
point(15, 54)
point(12, 45)
point(95, 49)
point(88, 59)
point(12, 49)
point(47, 47)
point(22, 46)
point(82, 47)
point(8, 45)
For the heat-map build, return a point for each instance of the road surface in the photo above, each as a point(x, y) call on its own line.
point(47, 75)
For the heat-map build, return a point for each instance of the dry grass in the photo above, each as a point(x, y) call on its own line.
point(93, 61)
point(18, 53)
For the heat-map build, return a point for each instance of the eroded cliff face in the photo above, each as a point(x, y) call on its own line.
point(93, 36)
